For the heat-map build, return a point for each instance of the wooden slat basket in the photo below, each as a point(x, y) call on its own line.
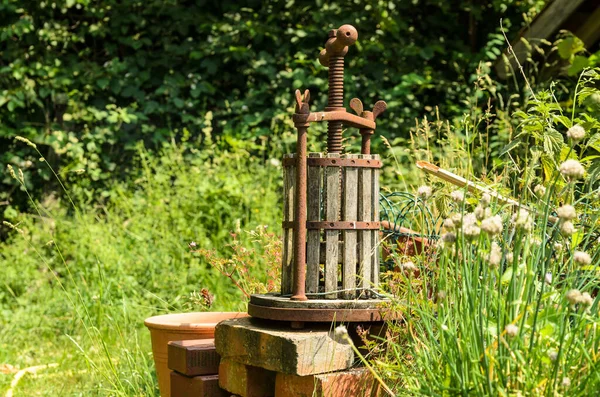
point(342, 244)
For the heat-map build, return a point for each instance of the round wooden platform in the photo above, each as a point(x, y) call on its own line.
point(276, 307)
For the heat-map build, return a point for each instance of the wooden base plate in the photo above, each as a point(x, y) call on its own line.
point(276, 307)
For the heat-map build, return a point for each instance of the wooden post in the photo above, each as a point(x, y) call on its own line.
point(349, 213)
point(365, 208)
point(289, 180)
point(332, 211)
point(375, 233)
point(313, 239)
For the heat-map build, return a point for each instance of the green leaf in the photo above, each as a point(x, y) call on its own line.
point(102, 83)
point(579, 63)
point(507, 276)
point(553, 141)
point(564, 120)
point(512, 145)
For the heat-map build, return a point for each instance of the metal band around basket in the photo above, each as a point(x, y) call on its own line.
point(340, 225)
point(335, 162)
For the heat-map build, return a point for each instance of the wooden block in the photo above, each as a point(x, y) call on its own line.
point(197, 386)
point(307, 351)
point(313, 238)
point(245, 380)
point(193, 357)
point(357, 382)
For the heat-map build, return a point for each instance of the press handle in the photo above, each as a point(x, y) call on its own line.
point(339, 40)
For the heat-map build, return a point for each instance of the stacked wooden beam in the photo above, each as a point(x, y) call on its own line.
point(194, 366)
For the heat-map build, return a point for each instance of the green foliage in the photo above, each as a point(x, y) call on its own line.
point(505, 303)
point(77, 284)
point(87, 80)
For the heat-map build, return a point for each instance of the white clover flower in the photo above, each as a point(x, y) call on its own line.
point(511, 330)
point(539, 190)
point(457, 219)
point(469, 219)
point(458, 196)
point(486, 199)
point(482, 212)
point(495, 255)
point(572, 169)
point(566, 212)
point(553, 355)
point(582, 258)
point(340, 331)
point(424, 192)
point(536, 242)
point(522, 220)
point(586, 299)
point(576, 133)
point(471, 230)
point(449, 238)
point(566, 228)
point(509, 257)
point(449, 224)
point(558, 246)
point(566, 382)
point(573, 296)
point(492, 225)
point(408, 266)
point(548, 278)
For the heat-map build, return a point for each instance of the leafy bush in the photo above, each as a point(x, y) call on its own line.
point(87, 80)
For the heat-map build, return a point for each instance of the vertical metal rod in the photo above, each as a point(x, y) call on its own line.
point(365, 147)
point(299, 286)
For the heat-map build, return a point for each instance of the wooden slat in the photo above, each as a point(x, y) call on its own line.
point(365, 191)
point(375, 233)
point(349, 213)
point(289, 180)
point(313, 238)
point(332, 210)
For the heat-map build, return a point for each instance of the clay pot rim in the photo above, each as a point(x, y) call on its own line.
point(192, 322)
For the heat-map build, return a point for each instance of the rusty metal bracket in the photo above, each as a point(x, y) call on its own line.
point(337, 225)
point(342, 116)
point(335, 162)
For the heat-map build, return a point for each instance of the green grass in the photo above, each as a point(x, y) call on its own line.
point(79, 279)
point(78, 282)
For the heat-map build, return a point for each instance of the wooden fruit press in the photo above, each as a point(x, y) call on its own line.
point(330, 269)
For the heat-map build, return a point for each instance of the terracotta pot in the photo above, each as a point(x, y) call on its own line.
point(182, 326)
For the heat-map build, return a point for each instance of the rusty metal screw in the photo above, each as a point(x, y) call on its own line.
point(333, 58)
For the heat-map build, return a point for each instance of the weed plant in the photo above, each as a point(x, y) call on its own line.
point(506, 303)
point(79, 280)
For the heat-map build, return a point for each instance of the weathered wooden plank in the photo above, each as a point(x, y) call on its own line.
point(313, 238)
point(349, 213)
point(332, 211)
point(289, 180)
point(375, 233)
point(365, 208)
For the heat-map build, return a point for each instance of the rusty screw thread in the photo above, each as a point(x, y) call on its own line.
point(336, 100)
